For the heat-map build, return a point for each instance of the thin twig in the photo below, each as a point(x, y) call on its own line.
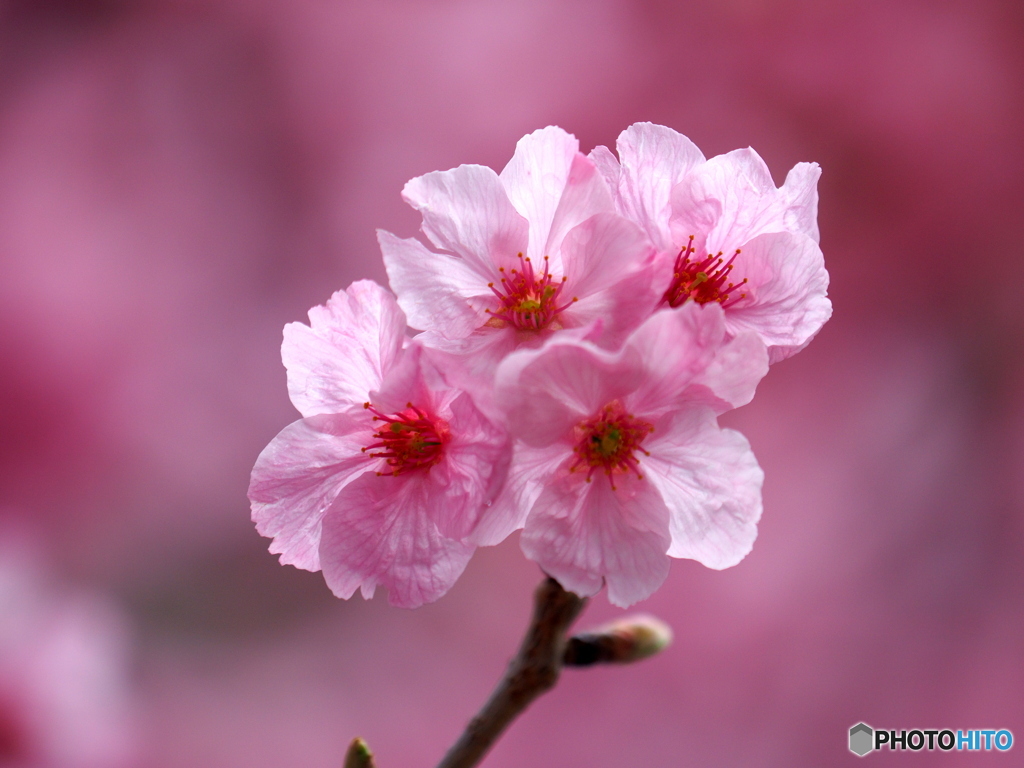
point(534, 670)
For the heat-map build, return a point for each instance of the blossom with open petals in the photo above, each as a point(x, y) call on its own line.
point(389, 469)
point(621, 463)
point(527, 252)
point(725, 233)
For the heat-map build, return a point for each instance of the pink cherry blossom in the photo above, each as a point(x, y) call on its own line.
point(621, 463)
point(725, 233)
point(390, 468)
point(533, 250)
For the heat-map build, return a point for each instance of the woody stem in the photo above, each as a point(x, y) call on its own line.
point(534, 670)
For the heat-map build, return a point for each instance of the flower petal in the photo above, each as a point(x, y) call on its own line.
point(535, 179)
point(711, 483)
point(726, 202)
point(473, 470)
point(466, 211)
point(800, 198)
point(608, 165)
point(334, 362)
point(585, 195)
point(676, 346)
point(789, 299)
point(379, 531)
point(582, 533)
point(738, 367)
point(470, 363)
point(298, 476)
point(528, 473)
point(436, 291)
point(653, 159)
point(600, 252)
point(546, 392)
point(615, 311)
point(412, 379)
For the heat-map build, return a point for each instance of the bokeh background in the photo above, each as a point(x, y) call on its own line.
point(179, 179)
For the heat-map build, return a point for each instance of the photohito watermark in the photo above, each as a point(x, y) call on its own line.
point(864, 739)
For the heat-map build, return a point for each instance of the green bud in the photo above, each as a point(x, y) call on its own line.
point(359, 755)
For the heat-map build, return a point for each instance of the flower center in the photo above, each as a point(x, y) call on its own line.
point(529, 301)
point(703, 280)
point(407, 440)
point(608, 441)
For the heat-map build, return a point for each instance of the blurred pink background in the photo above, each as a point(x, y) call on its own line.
point(179, 179)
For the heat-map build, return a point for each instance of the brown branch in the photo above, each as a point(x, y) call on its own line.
point(537, 666)
point(534, 670)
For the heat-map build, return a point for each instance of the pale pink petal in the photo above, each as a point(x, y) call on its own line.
point(614, 312)
point(582, 533)
point(711, 483)
point(435, 290)
point(736, 370)
point(585, 195)
point(789, 302)
point(725, 203)
point(689, 358)
point(800, 199)
point(676, 347)
point(470, 362)
point(417, 378)
point(529, 471)
point(466, 211)
point(608, 165)
point(298, 476)
point(535, 179)
point(602, 251)
point(546, 392)
point(412, 379)
point(343, 354)
point(473, 471)
point(607, 261)
point(379, 532)
point(653, 160)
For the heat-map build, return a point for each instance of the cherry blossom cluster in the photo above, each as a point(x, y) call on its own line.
point(581, 322)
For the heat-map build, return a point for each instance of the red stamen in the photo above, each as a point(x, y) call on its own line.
point(528, 301)
point(410, 439)
point(608, 441)
point(702, 281)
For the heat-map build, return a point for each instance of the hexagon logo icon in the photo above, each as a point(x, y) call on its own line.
point(861, 739)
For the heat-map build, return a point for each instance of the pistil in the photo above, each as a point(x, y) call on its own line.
point(609, 441)
point(704, 280)
point(529, 300)
point(408, 440)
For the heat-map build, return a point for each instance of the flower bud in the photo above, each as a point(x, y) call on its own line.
point(619, 642)
point(359, 755)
